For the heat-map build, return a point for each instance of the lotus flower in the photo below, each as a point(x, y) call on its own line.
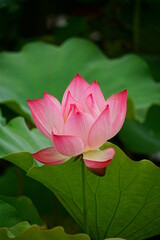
point(80, 125)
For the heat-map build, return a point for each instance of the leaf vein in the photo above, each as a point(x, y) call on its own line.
point(140, 210)
point(116, 208)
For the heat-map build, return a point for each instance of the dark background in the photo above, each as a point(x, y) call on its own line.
point(117, 26)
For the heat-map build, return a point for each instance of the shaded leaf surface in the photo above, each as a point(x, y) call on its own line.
point(123, 203)
point(8, 215)
point(24, 208)
point(23, 185)
point(46, 205)
point(143, 137)
point(42, 67)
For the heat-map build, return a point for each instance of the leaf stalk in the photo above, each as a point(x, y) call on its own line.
point(85, 202)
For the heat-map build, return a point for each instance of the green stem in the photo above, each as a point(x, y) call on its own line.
point(84, 189)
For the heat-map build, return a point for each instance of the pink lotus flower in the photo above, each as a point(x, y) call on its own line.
point(80, 125)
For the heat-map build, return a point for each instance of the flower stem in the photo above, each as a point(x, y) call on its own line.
point(84, 189)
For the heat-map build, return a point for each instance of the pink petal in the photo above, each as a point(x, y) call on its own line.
point(78, 124)
point(68, 145)
point(50, 156)
point(118, 106)
point(98, 158)
point(67, 105)
point(53, 100)
point(97, 95)
point(46, 115)
point(53, 114)
point(99, 131)
point(76, 88)
point(38, 114)
point(92, 106)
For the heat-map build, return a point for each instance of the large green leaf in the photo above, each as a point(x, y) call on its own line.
point(23, 231)
point(121, 204)
point(41, 67)
point(124, 203)
point(143, 137)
